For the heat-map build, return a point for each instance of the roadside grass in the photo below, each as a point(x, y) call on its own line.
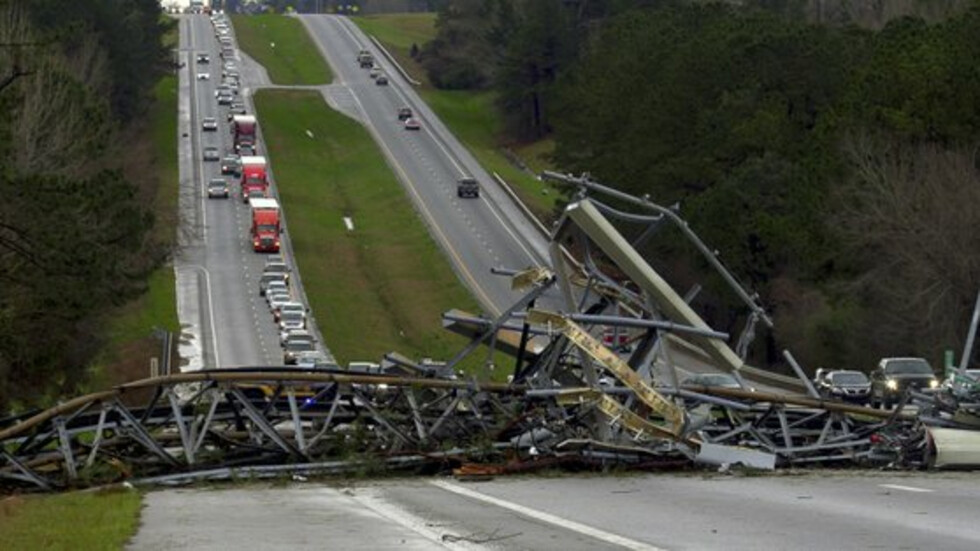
point(469, 114)
point(282, 45)
point(90, 520)
point(383, 286)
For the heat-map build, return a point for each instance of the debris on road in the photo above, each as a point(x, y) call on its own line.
point(595, 385)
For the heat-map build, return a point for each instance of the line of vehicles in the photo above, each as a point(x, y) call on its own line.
point(467, 186)
point(245, 166)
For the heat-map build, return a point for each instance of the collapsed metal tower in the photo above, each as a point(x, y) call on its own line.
point(595, 382)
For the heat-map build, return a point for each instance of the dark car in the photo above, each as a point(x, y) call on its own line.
point(217, 188)
point(895, 376)
point(246, 151)
point(266, 279)
point(382, 80)
point(841, 384)
point(236, 108)
point(468, 187)
point(231, 164)
point(404, 113)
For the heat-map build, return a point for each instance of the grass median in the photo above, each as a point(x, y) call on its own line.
point(382, 286)
point(469, 114)
point(91, 520)
point(282, 45)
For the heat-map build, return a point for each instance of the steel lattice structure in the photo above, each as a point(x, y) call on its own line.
point(576, 394)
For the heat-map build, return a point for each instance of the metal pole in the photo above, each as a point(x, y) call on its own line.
point(968, 347)
point(799, 373)
point(710, 255)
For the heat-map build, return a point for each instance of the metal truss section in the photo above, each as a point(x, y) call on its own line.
point(596, 384)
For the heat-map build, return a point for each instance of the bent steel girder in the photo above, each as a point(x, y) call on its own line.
point(242, 418)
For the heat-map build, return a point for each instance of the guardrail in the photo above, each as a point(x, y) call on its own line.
point(391, 59)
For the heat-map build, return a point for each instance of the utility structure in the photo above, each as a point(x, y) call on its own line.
point(578, 393)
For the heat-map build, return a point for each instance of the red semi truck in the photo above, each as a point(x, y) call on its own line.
point(265, 225)
point(243, 131)
point(255, 181)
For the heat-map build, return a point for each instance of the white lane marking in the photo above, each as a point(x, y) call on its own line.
point(907, 488)
point(434, 138)
point(370, 499)
point(214, 335)
point(601, 535)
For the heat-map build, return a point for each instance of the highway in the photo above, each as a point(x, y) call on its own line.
point(820, 510)
point(476, 234)
point(225, 322)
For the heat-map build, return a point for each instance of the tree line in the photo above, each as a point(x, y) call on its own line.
point(829, 155)
point(75, 80)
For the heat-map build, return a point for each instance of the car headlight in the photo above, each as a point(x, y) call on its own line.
point(933, 383)
point(892, 384)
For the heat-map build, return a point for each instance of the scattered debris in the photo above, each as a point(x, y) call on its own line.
point(594, 385)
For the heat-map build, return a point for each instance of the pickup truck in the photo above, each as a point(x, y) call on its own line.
point(468, 187)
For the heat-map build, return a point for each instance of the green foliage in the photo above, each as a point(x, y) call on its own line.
point(75, 238)
point(129, 31)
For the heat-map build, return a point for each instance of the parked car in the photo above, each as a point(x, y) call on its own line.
point(894, 376)
point(209, 124)
point(266, 279)
point(295, 335)
point(314, 359)
point(275, 286)
point(412, 123)
point(292, 350)
point(217, 188)
point(296, 307)
point(277, 299)
point(277, 268)
point(404, 113)
point(291, 321)
point(842, 384)
point(211, 154)
point(231, 164)
point(222, 89)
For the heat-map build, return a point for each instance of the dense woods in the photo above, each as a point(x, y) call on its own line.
point(75, 78)
point(827, 149)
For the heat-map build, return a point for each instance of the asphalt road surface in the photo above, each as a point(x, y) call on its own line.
point(476, 234)
point(819, 510)
point(226, 323)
